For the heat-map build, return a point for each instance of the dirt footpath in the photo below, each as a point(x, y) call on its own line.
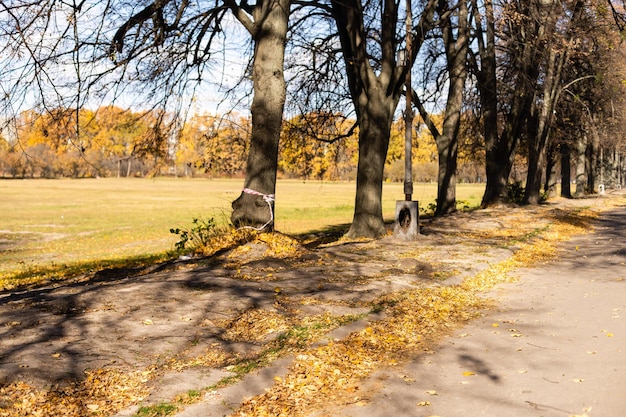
point(530, 364)
point(136, 318)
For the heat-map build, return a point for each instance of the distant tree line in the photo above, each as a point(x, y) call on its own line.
point(112, 142)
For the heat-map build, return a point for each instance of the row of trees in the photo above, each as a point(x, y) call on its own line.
point(66, 143)
point(115, 142)
point(543, 79)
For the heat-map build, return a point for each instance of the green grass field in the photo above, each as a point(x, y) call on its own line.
point(56, 225)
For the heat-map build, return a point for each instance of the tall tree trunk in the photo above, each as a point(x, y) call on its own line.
point(499, 148)
point(620, 169)
point(495, 189)
point(543, 113)
point(447, 143)
point(581, 157)
point(549, 186)
point(566, 171)
point(375, 126)
point(375, 94)
point(456, 49)
point(540, 128)
point(500, 154)
point(536, 169)
point(447, 150)
point(613, 161)
point(593, 147)
point(255, 205)
point(615, 168)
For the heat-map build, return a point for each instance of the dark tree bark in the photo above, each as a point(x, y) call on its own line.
point(593, 148)
point(549, 186)
point(268, 27)
point(375, 101)
point(485, 72)
point(566, 170)
point(581, 175)
point(375, 127)
point(447, 142)
point(540, 134)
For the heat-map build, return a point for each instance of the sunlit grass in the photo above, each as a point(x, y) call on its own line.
point(62, 227)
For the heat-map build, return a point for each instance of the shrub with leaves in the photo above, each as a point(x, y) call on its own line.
point(197, 236)
point(432, 206)
point(462, 205)
point(515, 192)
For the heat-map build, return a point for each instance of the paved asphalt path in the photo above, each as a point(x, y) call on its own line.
point(555, 347)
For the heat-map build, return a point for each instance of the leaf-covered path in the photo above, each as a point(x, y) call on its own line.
point(556, 345)
point(277, 326)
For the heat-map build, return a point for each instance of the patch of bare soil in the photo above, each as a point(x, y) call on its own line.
point(236, 302)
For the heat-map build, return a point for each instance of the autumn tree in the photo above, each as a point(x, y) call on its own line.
point(316, 145)
point(47, 144)
point(553, 56)
point(528, 57)
point(585, 94)
point(424, 163)
point(215, 145)
point(369, 45)
point(454, 34)
point(199, 26)
point(504, 63)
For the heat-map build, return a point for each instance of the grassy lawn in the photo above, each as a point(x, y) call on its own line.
point(53, 225)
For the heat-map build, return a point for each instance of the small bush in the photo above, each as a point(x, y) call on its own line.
point(432, 206)
point(197, 236)
point(429, 209)
point(462, 205)
point(515, 192)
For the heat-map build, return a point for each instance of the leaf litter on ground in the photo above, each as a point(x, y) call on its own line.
point(325, 375)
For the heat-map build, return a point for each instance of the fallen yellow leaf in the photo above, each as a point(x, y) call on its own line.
point(431, 392)
point(423, 403)
point(468, 373)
